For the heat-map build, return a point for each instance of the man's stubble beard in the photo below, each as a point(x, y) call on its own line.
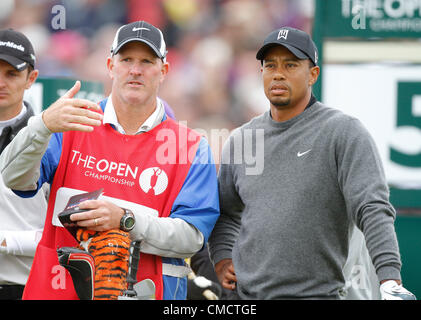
point(280, 104)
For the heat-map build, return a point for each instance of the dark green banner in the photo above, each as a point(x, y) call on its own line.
point(46, 91)
point(371, 18)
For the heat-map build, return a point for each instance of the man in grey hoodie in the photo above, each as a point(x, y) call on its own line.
point(285, 226)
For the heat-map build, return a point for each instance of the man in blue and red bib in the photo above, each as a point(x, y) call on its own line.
point(150, 167)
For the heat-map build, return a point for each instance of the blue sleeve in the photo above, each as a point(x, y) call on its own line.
point(49, 163)
point(198, 200)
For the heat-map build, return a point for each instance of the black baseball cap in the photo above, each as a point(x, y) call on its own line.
point(296, 41)
point(16, 49)
point(140, 31)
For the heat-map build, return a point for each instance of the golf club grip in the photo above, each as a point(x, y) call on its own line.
point(134, 262)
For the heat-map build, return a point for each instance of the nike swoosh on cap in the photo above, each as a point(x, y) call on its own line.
point(137, 29)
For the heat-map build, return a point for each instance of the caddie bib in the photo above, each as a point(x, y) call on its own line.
point(142, 172)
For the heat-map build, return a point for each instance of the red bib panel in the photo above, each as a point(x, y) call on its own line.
point(142, 172)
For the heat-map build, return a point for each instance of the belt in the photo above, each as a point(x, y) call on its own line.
point(175, 271)
point(11, 291)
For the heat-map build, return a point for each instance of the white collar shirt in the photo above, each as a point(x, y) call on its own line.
point(152, 121)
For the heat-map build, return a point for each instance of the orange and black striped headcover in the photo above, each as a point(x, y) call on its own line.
point(110, 250)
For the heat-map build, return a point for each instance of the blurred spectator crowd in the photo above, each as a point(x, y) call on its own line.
point(214, 80)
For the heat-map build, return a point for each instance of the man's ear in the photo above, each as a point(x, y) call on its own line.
point(110, 65)
point(32, 77)
point(164, 70)
point(314, 75)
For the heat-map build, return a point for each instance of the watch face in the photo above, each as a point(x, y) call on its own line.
point(129, 223)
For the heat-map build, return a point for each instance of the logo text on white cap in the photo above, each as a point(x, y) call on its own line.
point(13, 45)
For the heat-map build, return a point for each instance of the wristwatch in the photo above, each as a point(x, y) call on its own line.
point(127, 221)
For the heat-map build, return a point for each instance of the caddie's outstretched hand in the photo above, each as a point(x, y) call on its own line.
point(69, 113)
